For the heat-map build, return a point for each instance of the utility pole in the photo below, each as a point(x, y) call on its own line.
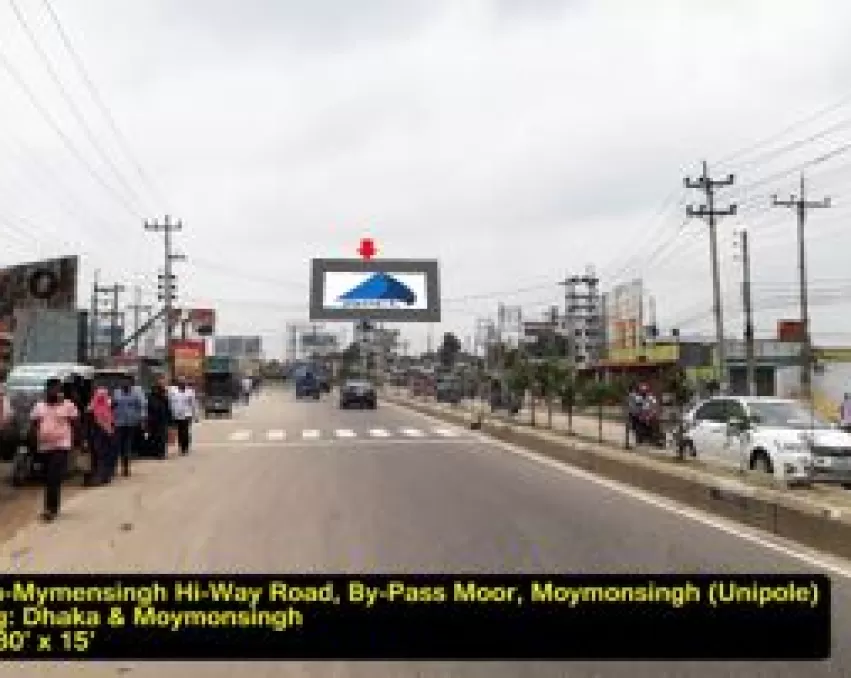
point(137, 307)
point(114, 291)
point(709, 212)
point(168, 288)
point(747, 304)
point(113, 339)
point(801, 205)
point(95, 317)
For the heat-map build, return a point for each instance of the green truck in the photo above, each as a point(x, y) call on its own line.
point(220, 386)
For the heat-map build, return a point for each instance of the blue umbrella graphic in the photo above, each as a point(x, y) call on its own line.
point(380, 287)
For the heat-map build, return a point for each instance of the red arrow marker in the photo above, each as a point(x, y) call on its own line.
point(367, 248)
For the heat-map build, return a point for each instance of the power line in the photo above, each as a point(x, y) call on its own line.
point(69, 145)
point(845, 100)
point(99, 102)
point(77, 113)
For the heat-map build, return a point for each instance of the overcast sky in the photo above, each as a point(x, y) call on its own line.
point(516, 141)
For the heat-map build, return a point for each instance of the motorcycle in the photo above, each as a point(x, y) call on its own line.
point(648, 428)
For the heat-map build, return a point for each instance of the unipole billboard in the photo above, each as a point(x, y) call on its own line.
point(385, 290)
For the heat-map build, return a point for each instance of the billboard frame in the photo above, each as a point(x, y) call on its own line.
point(428, 267)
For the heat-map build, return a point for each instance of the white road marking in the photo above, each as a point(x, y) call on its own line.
point(276, 434)
point(240, 436)
point(412, 432)
point(379, 433)
point(345, 433)
point(811, 557)
point(310, 433)
point(446, 432)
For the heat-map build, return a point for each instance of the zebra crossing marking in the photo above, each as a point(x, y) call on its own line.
point(379, 433)
point(310, 434)
point(412, 432)
point(240, 436)
point(276, 434)
point(345, 433)
point(446, 432)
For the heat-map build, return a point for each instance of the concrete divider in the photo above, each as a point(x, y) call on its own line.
point(819, 525)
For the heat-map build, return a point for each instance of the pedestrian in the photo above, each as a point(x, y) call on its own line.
point(184, 410)
point(158, 419)
point(246, 389)
point(54, 425)
point(129, 407)
point(845, 413)
point(100, 436)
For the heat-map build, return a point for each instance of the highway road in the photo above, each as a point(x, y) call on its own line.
point(301, 486)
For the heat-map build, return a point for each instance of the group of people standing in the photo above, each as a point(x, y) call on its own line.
point(108, 428)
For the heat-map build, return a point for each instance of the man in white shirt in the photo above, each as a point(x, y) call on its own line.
point(184, 410)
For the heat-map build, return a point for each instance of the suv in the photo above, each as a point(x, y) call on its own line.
point(773, 435)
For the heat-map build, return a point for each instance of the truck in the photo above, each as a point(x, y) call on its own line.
point(220, 385)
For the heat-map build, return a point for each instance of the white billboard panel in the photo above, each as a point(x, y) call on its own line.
point(350, 290)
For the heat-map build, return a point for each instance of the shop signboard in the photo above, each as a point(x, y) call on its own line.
point(188, 359)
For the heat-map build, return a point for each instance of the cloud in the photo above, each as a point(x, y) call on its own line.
point(515, 141)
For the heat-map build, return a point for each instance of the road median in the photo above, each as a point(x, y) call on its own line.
point(822, 522)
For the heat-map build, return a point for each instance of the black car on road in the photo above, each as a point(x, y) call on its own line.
point(358, 392)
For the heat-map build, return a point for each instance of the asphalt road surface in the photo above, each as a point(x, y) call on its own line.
point(290, 486)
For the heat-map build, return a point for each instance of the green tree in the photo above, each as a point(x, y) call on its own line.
point(449, 349)
point(550, 377)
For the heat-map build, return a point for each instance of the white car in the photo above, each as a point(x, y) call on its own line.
point(774, 435)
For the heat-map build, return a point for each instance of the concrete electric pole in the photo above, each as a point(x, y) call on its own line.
point(137, 308)
point(95, 318)
point(114, 292)
point(711, 214)
point(167, 296)
point(801, 205)
point(747, 305)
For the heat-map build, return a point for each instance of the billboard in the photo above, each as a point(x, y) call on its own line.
point(203, 321)
point(624, 309)
point(48, 284)
point(188, 360)
point(239, 346)
point(394, 290)
point(790, 331)
point(47, 336)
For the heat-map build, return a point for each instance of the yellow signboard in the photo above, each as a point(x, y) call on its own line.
point(833, 355)
point(658, 353)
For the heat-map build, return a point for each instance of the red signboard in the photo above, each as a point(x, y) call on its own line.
point(188, 359)
point(203, 321)
point(791, 331)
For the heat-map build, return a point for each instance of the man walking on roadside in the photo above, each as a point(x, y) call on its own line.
point(54, 427)
point(129, 407)
point(184, 410)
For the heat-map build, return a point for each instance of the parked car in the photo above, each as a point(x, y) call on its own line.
point(358, 392)
point(774, 435)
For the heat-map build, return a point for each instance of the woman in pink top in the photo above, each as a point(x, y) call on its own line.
point(54, 421)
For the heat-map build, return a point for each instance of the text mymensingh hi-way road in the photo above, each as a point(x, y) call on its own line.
point(426, 504)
